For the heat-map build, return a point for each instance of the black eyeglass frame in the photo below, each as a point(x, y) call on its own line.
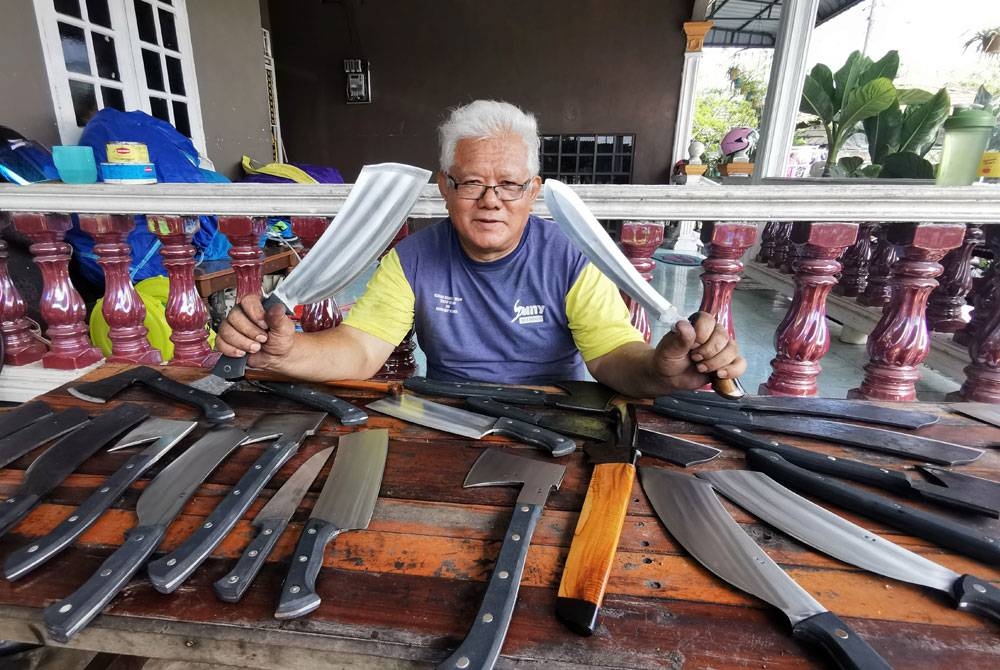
point(498, 189)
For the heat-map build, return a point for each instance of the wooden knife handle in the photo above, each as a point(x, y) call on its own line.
point(731, 389)
point(595, 541)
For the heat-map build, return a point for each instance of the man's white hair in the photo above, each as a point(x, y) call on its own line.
point(488, 119)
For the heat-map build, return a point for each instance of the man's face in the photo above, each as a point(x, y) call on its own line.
point(489, 228)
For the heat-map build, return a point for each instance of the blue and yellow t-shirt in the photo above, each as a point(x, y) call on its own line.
point(531, 317)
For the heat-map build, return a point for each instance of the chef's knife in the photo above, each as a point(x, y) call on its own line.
point(19, 417)
point(932, 527)
point(834, 408)
point(347, 502)
point(580, 395)
point(877, 439)
point(823, 530)
point(693, 514)
point(61, 459)
point(589, 427)
point(158, 505)
point(169, 572)
point(983, 500)
point(673, 449)
point(270, 522)
point(588, 235)
point(39, 432)
point(469, 424)
point(164, 435)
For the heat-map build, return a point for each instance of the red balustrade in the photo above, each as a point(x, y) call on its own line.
point(639, 239)
point(324, 314)
point(767, 241)
point(725, 243)
point(20, 346)
point(782, 245)
point(855, 263)
point(878, 292)
point(944, 307)
point(122, 307)
point(244, 234)
point(803, 338)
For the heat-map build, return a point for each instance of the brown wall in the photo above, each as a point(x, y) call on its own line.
point(579, 65)
point(25, 101)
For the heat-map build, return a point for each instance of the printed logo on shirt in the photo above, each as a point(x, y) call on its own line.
point(524, 314)
point(447, 303)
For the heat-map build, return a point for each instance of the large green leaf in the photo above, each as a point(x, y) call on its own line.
point(851, 165)
point(922, 122)
point(815, 100)
point(868, 100)
point(913, 96)
point(906, 165)
point(824, 77)
point(882, 131)
point(887, 66)
point(846, 78)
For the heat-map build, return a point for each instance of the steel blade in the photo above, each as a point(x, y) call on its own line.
point(980, 411)
point(284, 503)
point(435, 415)
point(982, 495)
point(19, 417)
point(693, 514)
point(163, 433)
point(821, 529)
point(348, 497)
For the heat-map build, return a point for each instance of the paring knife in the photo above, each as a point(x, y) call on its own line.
point(673, 449)
point(589, 427)
point(346, 502)
point(169, 572)
point(39, 432)
point(932, 527)
point(580, 395)
point(164, 435)
point(64, 457)
point(982, 496)
point(693, 514)
point(19, 417)
point(270, 522)
point(823, 530)
point(411, 408)
point(158, 505)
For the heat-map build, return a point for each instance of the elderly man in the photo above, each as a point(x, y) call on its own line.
point(493, 293)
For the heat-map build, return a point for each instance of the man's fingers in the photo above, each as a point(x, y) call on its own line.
point(704, 326)
point(251, 306)
point(231, 342)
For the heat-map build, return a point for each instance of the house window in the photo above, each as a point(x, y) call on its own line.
point(588, 159)
point(126, 54)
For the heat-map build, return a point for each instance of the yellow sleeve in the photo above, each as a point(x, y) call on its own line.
point(386, 308)
point(598, 317)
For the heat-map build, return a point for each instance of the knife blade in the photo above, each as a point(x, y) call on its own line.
point(580, 395)
point(823, 530)
point(984, 492)
point(932, 527)
point(270, 523)
point(164, 435)
point(15, 419)
point(878, 439)
point(168, 572)
point(346, 502)
point(883, 478)
point(39, 432)
point(588, 427)
point(693, 514)
point(61, 459)
point(673, 449)
point(834, 408)
point(469, 424)
point(980, 411)
point(158, 505)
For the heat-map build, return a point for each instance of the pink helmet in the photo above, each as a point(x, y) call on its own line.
point(738, 139)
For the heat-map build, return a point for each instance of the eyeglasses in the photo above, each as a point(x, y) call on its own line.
point(473, 190)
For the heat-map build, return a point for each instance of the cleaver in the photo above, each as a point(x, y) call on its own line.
point(579, 395)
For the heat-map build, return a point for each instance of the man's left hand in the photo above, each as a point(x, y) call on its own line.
point(695, 349)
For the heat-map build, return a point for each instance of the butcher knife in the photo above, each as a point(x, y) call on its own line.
point(61, 459)
point(364, 226)
point(932, 527)
point(156, 508)
point(970, 494)
point(169, 572)
point(579, 395)
point(270, 522)
point(693, 514)
point(583, 229)
point(414, 409)
point(823, 530)
point(164, 435)
point(877, 439)
point(39, 432)
point(15, 419)
point(346, 502)
point(589, 427)
point(834, 408)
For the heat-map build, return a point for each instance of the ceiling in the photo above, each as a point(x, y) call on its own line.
point(754, 23)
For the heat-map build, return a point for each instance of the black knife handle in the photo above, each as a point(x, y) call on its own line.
point(16, 508)
point(31, 556)
point(847, 649)
point(348, 414)
point(482, 645)
point(556, 444)
point(977, 596)
point(686, 411)
point(211, 406)
point(231, 588)
point(497, 408)
point(522, 396)
point(232, 368)
point(105, 389)
point(64, 618)
point(298, 593)
point(890, 480)
point(931, 527)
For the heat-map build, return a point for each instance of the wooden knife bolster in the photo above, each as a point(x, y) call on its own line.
point(391, 388)
point(731, 389)
point(595, 541)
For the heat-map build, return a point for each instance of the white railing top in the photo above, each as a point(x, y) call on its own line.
point(786, 202)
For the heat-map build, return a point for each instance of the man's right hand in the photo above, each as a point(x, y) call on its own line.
point(266, 336)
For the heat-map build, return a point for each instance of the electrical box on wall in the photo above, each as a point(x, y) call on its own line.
point(359, 81)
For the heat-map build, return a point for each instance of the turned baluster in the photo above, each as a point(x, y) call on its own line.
point(20, 346)
point(246, 256)
point(782, 245)
point(767, 241)
point(61, 306)
point(855, 263)
point(401, 363)
point(803, 338)
point(982, 375)
point(983, 292)
point(185, 312)
point(879, 292)
point(122, 307)
point(944, 307)
point(324, 314)
point(638, 240)
point(725, 243)
point(900, 340)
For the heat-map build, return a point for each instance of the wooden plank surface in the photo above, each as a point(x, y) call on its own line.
point(403, 592)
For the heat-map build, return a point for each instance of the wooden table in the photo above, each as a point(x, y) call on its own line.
point(403, 592)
